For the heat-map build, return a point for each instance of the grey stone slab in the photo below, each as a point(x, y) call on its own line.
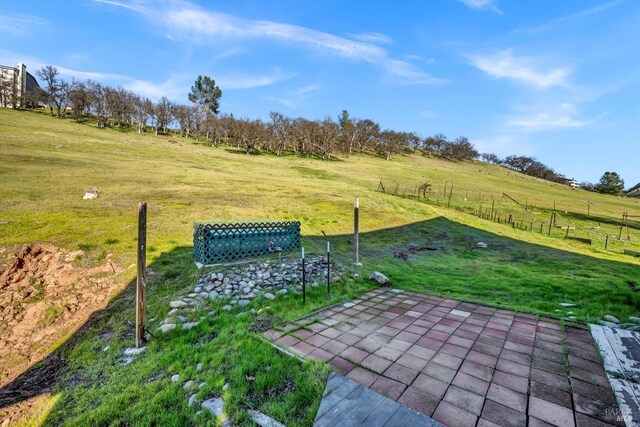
point(333, 396)
point(350, 404)
point(381, 414)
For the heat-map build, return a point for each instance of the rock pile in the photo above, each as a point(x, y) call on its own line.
point(613, 322)
point(239, 286)
point(268, 278)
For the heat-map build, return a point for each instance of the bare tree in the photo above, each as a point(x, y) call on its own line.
point(162, 111)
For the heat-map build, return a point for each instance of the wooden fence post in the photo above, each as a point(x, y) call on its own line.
point(141, 281)
point(606, 242)
point(550, 224)
point(450, 193)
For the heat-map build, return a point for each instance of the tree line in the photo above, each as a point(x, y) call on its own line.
point(325, 138)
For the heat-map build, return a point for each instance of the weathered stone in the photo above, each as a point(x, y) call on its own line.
point(567, 304)
point(612, 319)
point(336, 279)
point(175, 378)
point(378, 277)
point(177, 304)
point(215, 406)
point(188, 385)
point(167, 327)
point(227, 307)
point(244, 302)
point(190, 325)
point(270, 296)
point(481, 245)
point(225, 386)
point(634, 319)
point(263, 420)
point(199, 367)
point(192, 400)
point(213, 295)
point(266, 276)
point(282, 291)
point(220, 276)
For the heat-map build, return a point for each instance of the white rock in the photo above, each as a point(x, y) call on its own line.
point(266, 276)
point(263, 420)
point(215, 406)
point(213, 295)
point(175, 378)
point(610, 318)
point(106, 348)
point(192, 400)
point(177, 304)
point(481, 245)
point(189, 325)
point(134, 351)
point(167, 327)
point(187, 385)
point(199, 367)
point(567, 304)
point(201, 385)
point(379, 277)
point(91, 193)
point(227, 307)
point(244, 302)
point(269, 296)
point(282, 291)
point(225, 386)
point(220, 276)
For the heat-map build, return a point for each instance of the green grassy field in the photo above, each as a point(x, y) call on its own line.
point(46, 164)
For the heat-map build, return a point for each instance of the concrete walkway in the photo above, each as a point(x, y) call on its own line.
point(460, 363)
point(345, 403)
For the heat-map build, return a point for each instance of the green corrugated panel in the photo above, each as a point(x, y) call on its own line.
point(215, 243)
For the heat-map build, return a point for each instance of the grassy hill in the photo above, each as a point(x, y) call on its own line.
point(46, 164)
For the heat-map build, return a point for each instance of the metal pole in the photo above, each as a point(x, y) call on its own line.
point(141, 281)
point(328, 268)
point(304, 280)
point(356, 231)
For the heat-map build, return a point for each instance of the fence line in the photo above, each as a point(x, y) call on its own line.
point(506, 209)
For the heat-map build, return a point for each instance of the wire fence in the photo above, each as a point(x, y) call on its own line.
point(561, 218)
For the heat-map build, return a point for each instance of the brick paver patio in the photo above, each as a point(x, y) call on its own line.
point(460, 363)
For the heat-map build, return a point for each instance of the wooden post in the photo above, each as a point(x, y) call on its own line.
point(141, 281)
point(356, 231)
point(567, 235)
point(444, 194)
point(304, 280)
point(492, 205)
point(621, 225)
point(550, 224)
point(541, 225)
point(588, 209)
point(450, 193)
point(328, 268)
point(606, 242)
point(509, 222)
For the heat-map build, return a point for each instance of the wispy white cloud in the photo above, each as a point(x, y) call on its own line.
point(373, 37)
point(21, 25)
point(243, 81)
point(197, 25)
point(554, 117)
point(569, 18)
point(484, 5)
point(282, 101)
point(505, 64)
point(427, 114)
point(420, 58)
point(308, 89)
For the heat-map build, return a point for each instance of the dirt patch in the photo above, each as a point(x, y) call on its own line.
point(263, 324)
point(44, 298)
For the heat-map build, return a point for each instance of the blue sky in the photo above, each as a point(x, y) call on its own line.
point(558, 80)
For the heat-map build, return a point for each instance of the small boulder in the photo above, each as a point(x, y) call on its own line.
point(199, 367)
point(481, 245)
point(244, 302)
point(612, 319)
point(215, 406)
point(282, 292)
point(567, 304)
point(175, 378)
point(378, 277)
point(189, 325)
point(177, 304)
point(167, 327)
point(227, 307)
point(269, 296)
point(192, 400)
point(91, 193)
point(263, 420)
point(187, 385)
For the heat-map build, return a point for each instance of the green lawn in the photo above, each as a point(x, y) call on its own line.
point(46, 165)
